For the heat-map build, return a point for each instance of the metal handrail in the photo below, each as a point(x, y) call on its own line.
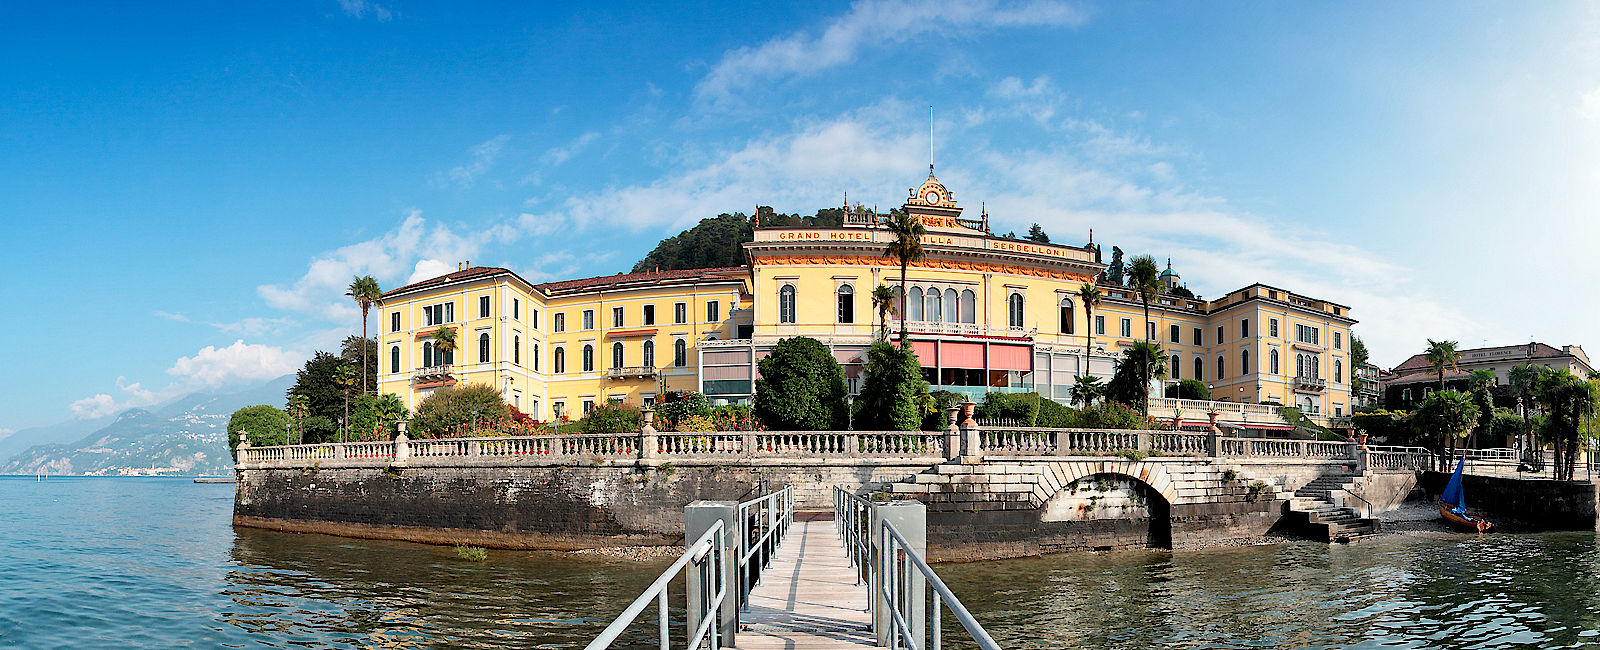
point(706, 556)
point(896, 591)
point(851, 515)
point(763, 523)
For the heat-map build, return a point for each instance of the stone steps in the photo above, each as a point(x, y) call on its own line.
point(1323, 517)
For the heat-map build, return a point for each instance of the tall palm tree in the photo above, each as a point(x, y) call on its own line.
point(364, 290)
point(1153, 366)
point(298, 406)
point(883, 303)
point(1442, 355)
point(907, 248)
point(345, 379)
point(444, 344)
point(1145, 279)
point(1089, 294)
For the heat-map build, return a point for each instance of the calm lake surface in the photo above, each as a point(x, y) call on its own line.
point(154, 563)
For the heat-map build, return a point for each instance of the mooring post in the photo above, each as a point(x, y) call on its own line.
point(402, 446)
point(970, 445)
point(647, 435)
point(910, 518)
point(699, 517)
point(952, 435)
point(244, 443)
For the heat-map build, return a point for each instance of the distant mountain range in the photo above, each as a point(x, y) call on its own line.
point(186, 436)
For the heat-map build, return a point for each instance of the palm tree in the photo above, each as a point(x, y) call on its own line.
point(1153, 366)
point(883, 303)
point(1524, 383)
point(444, 344)
point(1086, 390)
point(907, 248)
point(345, 379)
point(1145, 278)
point(1089, 294)
point(298, 406)
point(364, 290)
point(1442, 355)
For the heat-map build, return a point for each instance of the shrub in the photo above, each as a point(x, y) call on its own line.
point(942, 400)
point(1112, 415)
point(612, 418)
point(267, 426)
point(732, 417)
point(471, 553)
point(696, 423)
point(1189, 389)
point(675, 405)
point(801, 387)
point(373, 417)
point(318, 428)
point(1056, 414)
point(456, 411)
point(893, 393)
point(1021, 407)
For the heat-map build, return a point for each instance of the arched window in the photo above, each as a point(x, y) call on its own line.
point(1066, 316)
point(483, 348)
point(516, 350)
point(786, 304)
point(649, 354)
point(1299, 365)
point(1338, 371)
point(899, 301)
point(847, 304)
point(1174, 367)
point(915, 302)
point(952, 311)
point(394, 358)
point(969, 306)
point(427, 354)
point(1316, 367)
point(1274, 357)
point(1220, 368)
point(588, 358)
point(1014, 310)
point(1199, 368)
point(1244, 362)
point(616, 355)
point(680, 353)
point(561, 360)
point(935, 305)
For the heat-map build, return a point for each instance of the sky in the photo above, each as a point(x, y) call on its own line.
point(189, 188)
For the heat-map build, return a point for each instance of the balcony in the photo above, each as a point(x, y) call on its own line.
point(433, 374)
point(959, 329)
point(1310, 383)
point(631, 372)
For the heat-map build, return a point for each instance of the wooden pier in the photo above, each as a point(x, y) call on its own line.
point(808, 596)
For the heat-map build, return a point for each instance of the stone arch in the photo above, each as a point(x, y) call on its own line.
point(1149, 479)
point(1153, 475)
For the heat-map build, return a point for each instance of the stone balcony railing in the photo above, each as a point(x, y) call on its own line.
point(631, 371)
point(1196, 409)
point(425, 373)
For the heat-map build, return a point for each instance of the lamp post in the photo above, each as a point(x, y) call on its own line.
point(850, 412)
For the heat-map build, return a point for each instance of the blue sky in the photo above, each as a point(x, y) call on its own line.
point(189, 189)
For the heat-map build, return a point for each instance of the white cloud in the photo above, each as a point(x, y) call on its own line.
point(253, 326)
point(558, 155)
point(360, 8)
point(484, 155)
point(6, 433)
point(426, 269)
point(95, 406)
point(872, 23)
point(134, 396)
point(240, 362)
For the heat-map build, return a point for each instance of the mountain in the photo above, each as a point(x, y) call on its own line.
point(186, 436)
point(69, 430)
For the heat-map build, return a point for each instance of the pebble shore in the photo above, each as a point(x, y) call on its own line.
point(640, 553)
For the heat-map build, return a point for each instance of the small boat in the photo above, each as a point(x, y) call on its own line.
point(1453, 505)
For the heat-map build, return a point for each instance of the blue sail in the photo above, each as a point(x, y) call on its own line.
point(1452, 491)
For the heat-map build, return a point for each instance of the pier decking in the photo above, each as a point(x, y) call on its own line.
point(808, 596)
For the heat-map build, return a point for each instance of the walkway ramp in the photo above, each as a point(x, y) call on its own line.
point(808, 596)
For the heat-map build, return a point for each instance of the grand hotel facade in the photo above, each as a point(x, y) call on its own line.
point(985, 314)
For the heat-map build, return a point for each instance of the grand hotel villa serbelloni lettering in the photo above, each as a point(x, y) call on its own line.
point(985, 313)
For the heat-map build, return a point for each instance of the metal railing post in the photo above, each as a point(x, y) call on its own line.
point(905, 586)
point(698, 517)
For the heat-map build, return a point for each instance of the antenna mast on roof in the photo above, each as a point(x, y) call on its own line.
point(930, 138)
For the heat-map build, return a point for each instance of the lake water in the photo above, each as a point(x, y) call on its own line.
point(154, 563)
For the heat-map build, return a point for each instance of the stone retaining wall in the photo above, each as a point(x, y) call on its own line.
point(1538, 503)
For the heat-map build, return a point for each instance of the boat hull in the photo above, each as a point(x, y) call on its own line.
point(1463, 521)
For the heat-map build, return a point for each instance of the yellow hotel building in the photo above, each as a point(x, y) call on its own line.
point(985, 314)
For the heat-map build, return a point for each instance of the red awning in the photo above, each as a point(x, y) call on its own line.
point(927, 353)
point(1010, 357)
point(961, 355)
point(649, 331)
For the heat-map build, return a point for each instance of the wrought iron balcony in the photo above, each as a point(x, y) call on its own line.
point(631, 371)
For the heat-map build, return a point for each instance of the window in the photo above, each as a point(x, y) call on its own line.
point(483, 348)
point(1244, 328)
point(713, 311)
point(558, 410)
point(588, 406)
point(1175, 333)
point(915, 302)
point(1272, 326)
point(1066, 316)
point(1199, 368)
point(1099, 324)
point(438, 314)
point(1338, 371)
point(1127, 328)
point(516, 350)
point(616, 355)
point(680, 312)
point(560, 360)
point(680, 353)
point(847, 304)
point(1220, 368)
point(1219, 334)
point(1174, 366)
point(649, 354)
point(1273, 360)
point(616, 317)
point(394, 358)
point(1306, 334)
point(1244, 362)
point(952, 306)
point(1299, 365)
point(969, 306)
point(588, 358)
point(536, 357)
point(1405, 394)
point(427, 355)
point(516, 311)
point(935, 305)
point(1149, 331)
point(483, 306)
point(1197, 339)
point(1015, 311)
point(534, 317)
point(647, 315)
point(588, 319)
point(785, 304)
point(561, 322)
point(1338, 341)
point(394, 321)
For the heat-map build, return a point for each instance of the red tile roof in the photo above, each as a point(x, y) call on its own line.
point(646, 278)
point(1520, 351)
point(471, 273)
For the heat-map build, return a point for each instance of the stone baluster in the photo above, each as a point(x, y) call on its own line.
point(648, 440)
point(747, 444)
point(970, 445)
point(244, 444)
point(402, 446)
point(952, 435)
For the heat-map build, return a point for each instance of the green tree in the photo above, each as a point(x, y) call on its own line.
point(1480, 384)
point(346, 379)
point(364, 290)
point(1442, 355)
point(373, 417)
point(363, 353)
point(454, 411)
point(1445, 416)
point(444, 345)
point(715, 242)
point(317, 383)
point(1145, 278)
point(1141, 363)
point(892, 392)
point(906, 248)
point(883, 303)
point(1086, 389)
point(1358, 352)
point(1524, 380)
point(1114, 271)
point(1037, 234)
point(1189, 389)
point(1089, 295)
point(801, 388)
point(612, 418)
point(1567, 400)
point(298, 406)
point(267, 426)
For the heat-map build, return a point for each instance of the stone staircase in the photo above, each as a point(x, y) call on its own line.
point(1318, 503)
